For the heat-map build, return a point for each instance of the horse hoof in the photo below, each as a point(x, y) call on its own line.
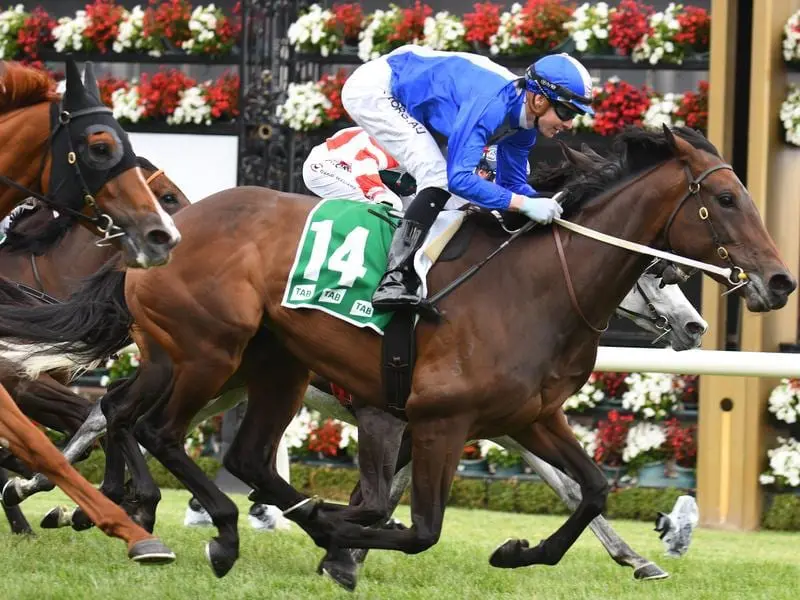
point(220, 559)
point(56, 518)
point(650, 572)
point(80, 520)
point(359, 555)
point(10, 494)
point(151, 552)
point(343, 572)
point(508, 555)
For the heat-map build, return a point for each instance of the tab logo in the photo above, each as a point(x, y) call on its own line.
point(303, 292)
point(361, 309)
point(332, 296)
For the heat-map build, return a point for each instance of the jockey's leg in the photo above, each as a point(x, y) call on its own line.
point(367, 97)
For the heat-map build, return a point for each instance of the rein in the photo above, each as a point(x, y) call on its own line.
point(101, 220)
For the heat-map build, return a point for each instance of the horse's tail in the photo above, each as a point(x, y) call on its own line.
point(91, 325)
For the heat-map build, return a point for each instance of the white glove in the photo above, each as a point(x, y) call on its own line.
point(542, 209)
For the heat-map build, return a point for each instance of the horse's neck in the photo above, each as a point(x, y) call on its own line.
point(23, 138)
point(75, 258)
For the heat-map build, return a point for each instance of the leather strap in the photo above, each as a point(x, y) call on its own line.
point(568, 281)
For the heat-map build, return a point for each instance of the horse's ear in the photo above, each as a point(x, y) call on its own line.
point(587, 150)
point(575, 157)
point(89, 81)
point(74, 91)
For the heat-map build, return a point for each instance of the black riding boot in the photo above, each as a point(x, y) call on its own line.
point(398, 288)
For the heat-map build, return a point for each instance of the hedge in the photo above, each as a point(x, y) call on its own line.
point(782, 511)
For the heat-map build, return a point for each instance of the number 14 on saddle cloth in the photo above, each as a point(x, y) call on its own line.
point(341, 256)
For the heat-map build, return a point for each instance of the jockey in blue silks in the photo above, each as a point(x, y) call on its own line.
point(408, 97)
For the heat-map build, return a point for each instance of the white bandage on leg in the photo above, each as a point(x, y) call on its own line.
point(367, 97)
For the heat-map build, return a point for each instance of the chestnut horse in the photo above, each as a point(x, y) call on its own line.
point(515, 345)
point(52, 256)
point(71, 154)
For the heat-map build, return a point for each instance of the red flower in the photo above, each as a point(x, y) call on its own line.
point(619, 105)
point(611, 437)
point(695, 29)
point(542, 24)
point(412, 25)
point(160, 93)
point(104, 17)
point(325, 438)
point(481, 25)
point(35, 34)
point(681, 443)
point(108, 85)
point(348, 19)
point(168, 20)
point(471, 452)
point(223, 97)
point(612, 383)
point(693, 108)
point(628, 24)
point(331, 86)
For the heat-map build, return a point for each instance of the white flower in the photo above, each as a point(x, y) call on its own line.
point(349, 433)
point(310, 32)
point(662, 112)
point(68, 33)
point(784, 464)
point(652, 395)
point(643, 437)
point(104, 381)
point(192, 108)
point(130, 34)
point(784, 401)
point(444, 31)
point(589, 396)
point(11, 21)
point(304, 108)
point(366, 44)
point(791, 38)
point(790, 115)
point(126, 105)
point(203, 28)
point(589, 27)
point(505, 41)
point(659, 45)
point(586, 437)
point(297, 432)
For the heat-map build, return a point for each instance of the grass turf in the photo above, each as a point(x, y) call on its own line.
point(68, 565)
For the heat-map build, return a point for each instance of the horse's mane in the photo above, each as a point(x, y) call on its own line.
point(632, 152)
point(22, 86)
point(36, 231)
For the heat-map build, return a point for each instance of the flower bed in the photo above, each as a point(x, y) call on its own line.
point(790, 116)
point(105, 27)
point(525, 30)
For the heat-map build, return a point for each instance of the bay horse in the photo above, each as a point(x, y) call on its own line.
point(215, 311)
point(53, 256)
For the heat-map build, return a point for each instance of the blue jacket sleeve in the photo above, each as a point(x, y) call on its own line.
point(512, 162)
point(476, 121)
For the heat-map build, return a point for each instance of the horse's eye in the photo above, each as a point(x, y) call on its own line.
point(726, 200)
point(169, 198)
point(101, 150)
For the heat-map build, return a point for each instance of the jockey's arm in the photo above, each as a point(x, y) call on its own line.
point(367, 165)
point(512, 162)
point(474, 125)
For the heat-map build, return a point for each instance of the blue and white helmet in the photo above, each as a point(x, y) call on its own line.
point(563, 80)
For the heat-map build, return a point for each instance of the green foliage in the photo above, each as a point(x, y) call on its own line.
point(782, 513)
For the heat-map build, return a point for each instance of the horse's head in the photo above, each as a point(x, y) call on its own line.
point(93, 170)
point(664, 310)
point(169, 196)
point(716, 221)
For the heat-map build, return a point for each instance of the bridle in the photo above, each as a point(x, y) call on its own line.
point(100, 220)
point(655, 318)
point(737, 277)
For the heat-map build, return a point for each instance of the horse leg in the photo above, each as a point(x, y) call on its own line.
point(570, 493)
point(93, 427)
point(553, 440)
point(19, 435)
point(53, 405)
point(436, 449)
point(161, 430)
point(16, 519)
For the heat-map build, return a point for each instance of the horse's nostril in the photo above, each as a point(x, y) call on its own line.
point(695, 328)
point(158, 237)
point(782, 283)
